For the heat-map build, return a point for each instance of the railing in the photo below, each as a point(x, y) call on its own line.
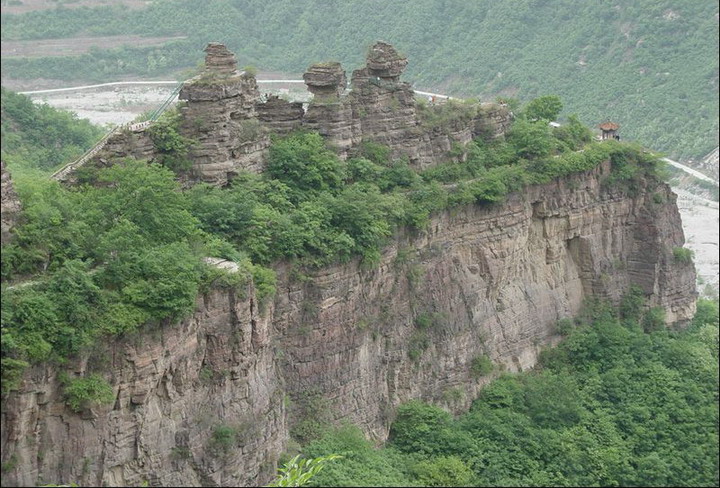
point(63, 172)
point(168, 101)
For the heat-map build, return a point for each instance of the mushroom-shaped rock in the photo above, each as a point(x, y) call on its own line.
point(383, 61)
point(325, 79)
point(218, 59)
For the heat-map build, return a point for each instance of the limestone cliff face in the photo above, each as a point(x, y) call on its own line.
point(10, 204)
point(488, 280)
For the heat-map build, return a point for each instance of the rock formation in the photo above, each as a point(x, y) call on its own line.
point(280, 116)
point(229, 121)
point(325, 79)
point(219, 116)
point(10, 205)
point(219, 60)
point(493, 278)
point(384, 62)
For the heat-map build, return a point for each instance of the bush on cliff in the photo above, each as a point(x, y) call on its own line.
point(305, 165)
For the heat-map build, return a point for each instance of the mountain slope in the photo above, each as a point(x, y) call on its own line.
point(651, 66)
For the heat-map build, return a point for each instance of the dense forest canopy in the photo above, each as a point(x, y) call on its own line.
point(650, 65)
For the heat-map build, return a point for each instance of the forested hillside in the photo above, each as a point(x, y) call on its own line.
point(39, 136)
point(651, 66)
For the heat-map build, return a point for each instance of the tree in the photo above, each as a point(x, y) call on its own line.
point(304, 164)
point(531, 139)
point(547, 107)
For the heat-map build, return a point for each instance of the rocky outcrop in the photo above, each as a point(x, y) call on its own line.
point(219, 116)
point(229, 122)
point(199, 403)
point(10, 205)
point(280, 116)
point(486, 280)
point(492, 121)
point(384, 62)
point(333, 119)
point(219, 60)
point(127, 143)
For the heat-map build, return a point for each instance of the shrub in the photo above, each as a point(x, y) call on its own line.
point(547, 107)
point(298, 472)
point(683, 255)
point(377, 153)
point(418, 343)
point(12, 371)
point(223, 439)
point(264, 280)
point(442, 471)
point(564, 326)
point(425, 320)
point(481, 366)
point(416, 427)
point(531, 139)
point(305, 165)
point(654, 319)
point(173, 147)
point(82, 393)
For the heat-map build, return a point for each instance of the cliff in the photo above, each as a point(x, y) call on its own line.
point(349, 343)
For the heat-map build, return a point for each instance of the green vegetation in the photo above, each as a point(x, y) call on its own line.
point(299, 472)
point(172, 147)
point(682, 254)
point(39, 136)
point(613, 405)
point(223, 439)
point(650, 65)
point(82, 393)
point(481, 366)
point(98, 260)
point(547, 107)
